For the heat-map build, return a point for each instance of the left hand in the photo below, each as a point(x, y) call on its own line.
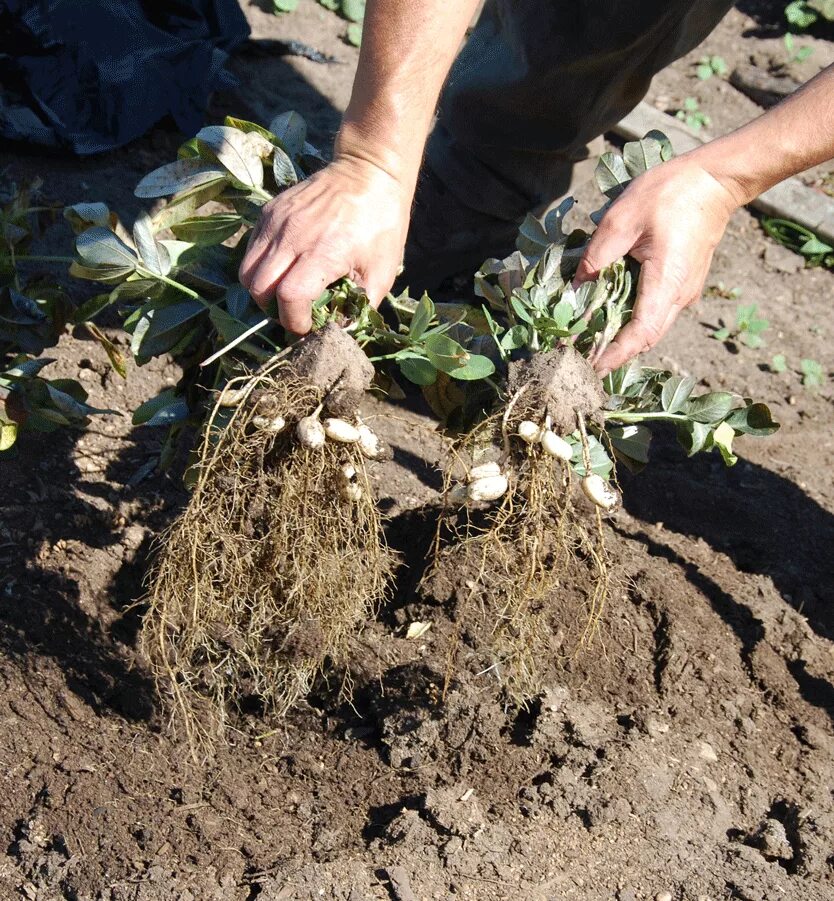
point(670, 219)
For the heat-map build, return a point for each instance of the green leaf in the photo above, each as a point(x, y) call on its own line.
point(711, 408)
point(235, 152)
point(754, 419)
point(8, 435)
point(640, 156)
point(154, 256)
point(117, 361)
point(521, 310)
point(238, 301)
point(92, 307)
point(721, 334)
point(601, 463)
point(611, 174)
point(632, 441)
point(83, 215)
point(104, 274)
point(722, 438)
point(164, 409)
point(812, 373)
point(693, 436)
point(205, 230)
point(285, 6)
point(445, 353)
point(477, 367)
point(183, 175)
point(418, 370)
point(704, 71)
point(283, 169)
point(158, 330)
point(353, 33)
point(353, 10)
point(676, 392)
point(516, 337)
point(291, 131)
point(187, 203)
point(100, 247)
point(424, 312)
point(779, 363)
point(814, 247)
point(824, 7)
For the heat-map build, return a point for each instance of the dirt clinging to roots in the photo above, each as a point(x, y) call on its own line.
point(522, 555)
point(270, 572)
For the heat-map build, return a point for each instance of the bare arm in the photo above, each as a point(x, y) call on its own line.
point(672, 218)
point(352, 217)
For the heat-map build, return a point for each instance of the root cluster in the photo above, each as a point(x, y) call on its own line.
point(536, 566)
point(269, 572)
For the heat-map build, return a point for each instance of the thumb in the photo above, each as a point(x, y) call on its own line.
point(607, 245)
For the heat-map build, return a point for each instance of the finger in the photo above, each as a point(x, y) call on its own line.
point(272, 267)
point(659, 301)
point(607, 245)
point(302, 284)
point(377, 284)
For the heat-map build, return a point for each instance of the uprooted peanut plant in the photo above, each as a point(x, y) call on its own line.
point(257, 587)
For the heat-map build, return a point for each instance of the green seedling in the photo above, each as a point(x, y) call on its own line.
point(692, 115)
point(813, 374)
point(779, 363)
point(748, 328)
point(796, 54)
point(711, 65)
point(722, 291)
point(800, 240)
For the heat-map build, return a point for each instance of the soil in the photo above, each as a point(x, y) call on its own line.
point(688, 754)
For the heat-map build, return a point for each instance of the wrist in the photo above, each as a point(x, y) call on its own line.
point(360, 145)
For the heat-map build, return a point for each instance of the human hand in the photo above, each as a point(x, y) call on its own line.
point(670, 219)
point(350, 219)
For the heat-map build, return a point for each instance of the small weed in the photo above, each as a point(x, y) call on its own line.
point(748, 327)
point(692, 116)
point(779, 363)
point(800, 240)
point(813, 375)
point(711, 65)
point(720, 290)
point(796, 54)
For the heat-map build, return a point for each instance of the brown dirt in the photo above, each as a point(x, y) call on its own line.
point(561, 383)
point(690, 751)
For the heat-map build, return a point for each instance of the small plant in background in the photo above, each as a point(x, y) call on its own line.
point(354, 12)
point(748, 328)
point(692, 115)
point(720, 290)
point(800, 240)
point(796, 54)
point(802, 14)
point(779, 363)
point(711, 65)
point(813, 374)
point(285, 6)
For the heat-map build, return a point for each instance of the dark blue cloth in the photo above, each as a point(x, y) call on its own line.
point(92, 75)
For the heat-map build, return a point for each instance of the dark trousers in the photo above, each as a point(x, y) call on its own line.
point(539, 79)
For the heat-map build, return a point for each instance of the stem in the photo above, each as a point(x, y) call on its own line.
point(642, 417)
point(172, 283)
point(41, 259)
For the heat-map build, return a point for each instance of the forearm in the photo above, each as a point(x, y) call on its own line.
point(788, 139)
point(407, 50)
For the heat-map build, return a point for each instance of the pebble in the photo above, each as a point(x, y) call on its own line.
point(707, 752)
point(663, 896)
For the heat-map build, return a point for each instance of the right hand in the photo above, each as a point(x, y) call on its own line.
point(350, 219)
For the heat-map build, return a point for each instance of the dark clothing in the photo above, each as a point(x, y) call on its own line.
point(94, 75)
point(539, 79)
